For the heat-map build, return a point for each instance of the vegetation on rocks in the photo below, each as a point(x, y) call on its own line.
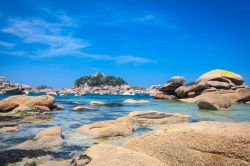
point(100, 79)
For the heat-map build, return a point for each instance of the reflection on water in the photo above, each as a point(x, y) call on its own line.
point(70, 120)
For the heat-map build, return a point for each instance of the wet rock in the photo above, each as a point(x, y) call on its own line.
point(219, 75)
point(107, 155)
point(182, 91)
point(81, 108)
point(23, 103)
point(8, 129)
point(219, 85)
point(47, 138)
point(202, 143)
point(68, 102)
point(151, 117)
point(97, 103)
point(110, 128)
point(113, 105)
point(132, 101)
point(16, 155)
point(59, 107)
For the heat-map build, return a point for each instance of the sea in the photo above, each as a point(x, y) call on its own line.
point(69, 120)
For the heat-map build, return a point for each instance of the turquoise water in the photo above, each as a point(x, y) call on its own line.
point(70, 120)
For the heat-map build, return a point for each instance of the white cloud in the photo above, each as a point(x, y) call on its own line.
point(133, 59)
point(55, 39)
point(6, 44)
point(49, 34)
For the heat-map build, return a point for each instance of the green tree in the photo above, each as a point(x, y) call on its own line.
point(100, 80)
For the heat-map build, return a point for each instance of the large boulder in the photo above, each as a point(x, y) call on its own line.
point(215, 102)
point(170, 87)
point(47, 138)
point(22, 103)
point(183, 91)
point(161, 95)
point(111, 155)
point(110, 128)
point(219, 75)
point(203, 143)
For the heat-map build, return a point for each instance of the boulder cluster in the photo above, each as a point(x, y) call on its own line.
point(214, 90)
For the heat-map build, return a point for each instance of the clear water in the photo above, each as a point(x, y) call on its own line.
point(70, 120)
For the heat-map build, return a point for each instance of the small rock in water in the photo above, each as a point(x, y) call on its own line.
point(81, 108)
point(97, 103)
point(132, 101)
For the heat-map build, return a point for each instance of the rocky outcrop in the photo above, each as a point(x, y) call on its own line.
point(132, 101)
point(23, 103)
point(107, 155)
point(111, 128)
point(222, 76)
point(46, 138)
point(203, 143)
point(214, 90)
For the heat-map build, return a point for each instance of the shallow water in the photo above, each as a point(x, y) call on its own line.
point(70, 120)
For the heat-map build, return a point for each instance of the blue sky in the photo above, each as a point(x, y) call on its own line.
point(146, 42)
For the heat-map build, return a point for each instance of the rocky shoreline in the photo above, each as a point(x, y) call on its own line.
point(175, 140)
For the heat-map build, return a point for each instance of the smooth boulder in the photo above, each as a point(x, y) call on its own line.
point(110, 128)
point(215, 102)
point(219, 75)
point(202, 143)
point(23, 103)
